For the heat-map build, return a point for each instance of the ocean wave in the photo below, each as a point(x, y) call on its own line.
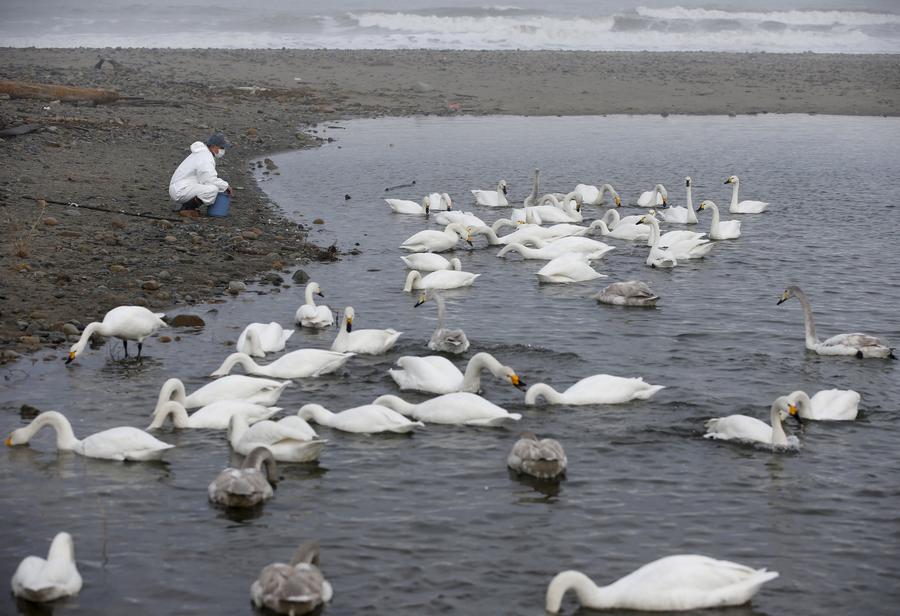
point(791, 18)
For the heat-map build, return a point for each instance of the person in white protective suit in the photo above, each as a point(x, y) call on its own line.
point(195, 181)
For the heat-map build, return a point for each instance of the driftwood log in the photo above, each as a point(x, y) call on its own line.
point(23, 89)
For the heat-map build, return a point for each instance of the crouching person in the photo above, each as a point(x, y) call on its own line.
point(195, 181)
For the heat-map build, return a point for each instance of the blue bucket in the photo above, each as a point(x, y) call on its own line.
point(220, 206)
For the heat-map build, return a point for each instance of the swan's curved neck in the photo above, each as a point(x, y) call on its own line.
point(317, 413)
point(62, 549)
point(692, 215)
point(736, 184)
point(472, 377)
point(243, 360)
point(589, 594)
point(253, 341)
point(811, 338)
point(65, 437)
point(653, 240)
point(611, 218)
point(597, 224)
point(173, 389)
point(542, 390)
point(441, 309)
point(500, 223)
point(490, 234)
point(172, 409)
point(535, 185)
point(89, 330)
point(261, 458)
point(411, 280)
point(237, 426)
point(607, 188)
point(779, 438)
point(715, 217)
point(397, 403)
point(804, 404)
point(457, 230)
point(309, 296)
point(515, 247)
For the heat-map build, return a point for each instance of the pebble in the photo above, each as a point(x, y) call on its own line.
point(50, 221)
point(171, 239)
point(69, 329)
point(186, 320)
point(150, 285)
point(249, 235)
point(318, 221)
point(300, 276)
point(29, 340)
point(272, 278)
point(165, 339)
point(117, 269)
point(8, 355)
point(164, 275)
point(236, 286)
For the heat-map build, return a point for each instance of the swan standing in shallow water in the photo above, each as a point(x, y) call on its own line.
point(460, 408)
point(310, 315)
point(233, 387)
point(542, 458)
point(124, 443)
point(441, 279)
point(492, 198)
point(743, 207)
point(568, 268)
point(302, 363)
point(437, 241)
point(437, 375)
point(628, 293)
point(591, 195)
point(404, 206)
point(653, 198)
point(861, 345)
point(827, 405)
point(125, 323)
point(290, 439)
point(257, 339)
point(431, 262)
point(721, 230)
point(682, 215)
point(597, 389)
point(547, 251)
point(247, 486)
point(674, 583)
point(296, 588)
point(365, 341)
point(752, 430)
point(215, 416)
point(42, 580)
point(366, 419)
point(443, 340)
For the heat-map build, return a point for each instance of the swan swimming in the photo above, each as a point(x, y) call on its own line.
point(628, 293)
point(674, 583)
point(592, 195)
point(247, 486)
point(404, 206)
point(542, 458)
point(721, 230)
point(567, 268)
point(492, 198)
point(596, 389)
point(311, 315)
point(653, 198)
point(683, 247)
point(213, 416)
point(232, 387)
point(464, 218)
point(443, 340)
point(547, 251)
point(460, 408)
point(440, 202)
point(302, 363)
point(681, 215)
point(366, 419)
point(532, 198)
point(437, 241)
point(295, 588)
point(40, 580)
point(441, 279)
point(257, 339)
point(752, 430)
point(123, 443)
point(430, 262)
point(621, 232)
point(552, 210)
point(743, 207)
point(658, 257)
point(125, 323)
point(860, 345)
point(365, 341)
point(827, 405)
point(290, 439)
point(437, 375)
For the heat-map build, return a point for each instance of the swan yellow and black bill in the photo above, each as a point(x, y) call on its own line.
point(8, 441)
point(70, 357)
point(618, 201)
point(792, 409)
point(516, 381)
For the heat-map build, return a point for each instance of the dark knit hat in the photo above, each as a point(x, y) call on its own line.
point(217, 140)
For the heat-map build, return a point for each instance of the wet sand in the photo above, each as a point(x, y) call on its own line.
point(65, 265)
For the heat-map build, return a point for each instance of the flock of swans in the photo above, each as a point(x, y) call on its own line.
point(243, 405)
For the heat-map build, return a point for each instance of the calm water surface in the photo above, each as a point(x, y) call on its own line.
point(434, 523)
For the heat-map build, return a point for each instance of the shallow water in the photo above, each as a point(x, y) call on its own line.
point(434, 523)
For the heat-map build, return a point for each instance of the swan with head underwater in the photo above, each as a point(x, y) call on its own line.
point(296, 588)
point(122, 443)
point(542, 458)
point(552, 210)
point(437, 375)
point(437, 241)
point(405, 206)
point(364, 341)
point(302, 363)
point(430, 262)
point(592, 195)
point(658, 197)
point(743, 207)
point(596, 389)
point(547, 251)
point(568, 268)
point(628, 293)
point(860, 345)
point(460, 408)
point(126, 323)
point(752, 430)
point(720, 229)
point(290, 439)
point(257, 339)
point(213, 416)
point(492, 198)
point(247, 486)
point(441, 279)
point(264, 392)
point(443, 340)
point(681, 215)
point(366, 419)
point(311, 315)
point(40, 581)
point(674, 583)
point(524, 232)
point(449, 217)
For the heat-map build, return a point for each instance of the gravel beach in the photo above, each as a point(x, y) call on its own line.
point(64, 266)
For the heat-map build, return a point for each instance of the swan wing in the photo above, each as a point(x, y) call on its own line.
point(289, 590)
point(426, 262)
point(132, 322)
point(460, 408)
point(835, 404)
point(739, 428)
point(217, 415)
point(448, 279)
point(749, 207)
point(123, 443)
point(42, 580)
point(434, 374)
point(372, 341)
point(608, 389)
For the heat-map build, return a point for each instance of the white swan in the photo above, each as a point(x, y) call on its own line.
point(430, 262)
point(567, 268)
point(42, 580)
point(861, 345)
point(247, 486)
point(653, 198)
point(658, 257)
point(543, 250)
point(443, 340)
point(492, 198)
point(124, 443)
point(366, 419)
point(441, 279)
point(614, 221)
point(542, 458)
point(752, 430)
point(404, 206)
point(532, 198)
point(524, 231)
point(296, 588)
point(683, 247)
point(264, 392)
point(674, 583)
point(437, 241)
point(290, 439)
point(681, 215)
point(596, 389)
point(302, 363)
point(124, 322)
point(827, 405)
point(525, 215)
point(311, 315)
point(721, 230)
point(464, 218)
point(743, 207)
point(437, 375)
point(213, 416)
point(460, 408)
point(257, 339)
point(628, 293)
point(365, 341)
point(621, 232)
point(592, 195)
point(440, 201)
point(552, 210)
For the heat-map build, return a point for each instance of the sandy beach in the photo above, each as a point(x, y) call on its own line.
point(66, 266)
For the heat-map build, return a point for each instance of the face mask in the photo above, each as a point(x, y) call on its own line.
point(220, 153)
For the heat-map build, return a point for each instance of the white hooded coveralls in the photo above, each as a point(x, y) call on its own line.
point(196, 177)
